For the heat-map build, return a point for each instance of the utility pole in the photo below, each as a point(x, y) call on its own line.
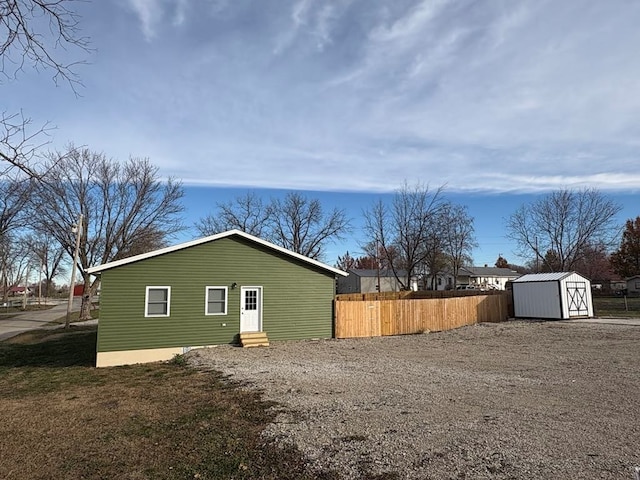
point(77, 229)
point(379, 289)
point(40, 284)
point(26, 282)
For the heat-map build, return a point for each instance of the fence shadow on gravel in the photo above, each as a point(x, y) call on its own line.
point(400, 313)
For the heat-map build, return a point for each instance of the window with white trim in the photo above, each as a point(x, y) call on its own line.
point(157, 302)
point(215, 301)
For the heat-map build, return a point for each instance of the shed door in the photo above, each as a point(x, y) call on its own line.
point(577, 295)
point(251, 309)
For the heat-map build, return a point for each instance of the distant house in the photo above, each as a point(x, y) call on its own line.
point(633, 285)
point(486, 278)
point(370, 281)
point(227, 288)
point(17, 291)
point(442, 281)
point(618, 285)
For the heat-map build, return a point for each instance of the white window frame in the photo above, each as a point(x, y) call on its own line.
point(146, 301)
point(206, 299)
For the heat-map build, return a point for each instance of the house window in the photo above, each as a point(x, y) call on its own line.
point(216, 301)
point(157, 302)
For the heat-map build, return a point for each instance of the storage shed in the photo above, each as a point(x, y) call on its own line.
point(559, 295)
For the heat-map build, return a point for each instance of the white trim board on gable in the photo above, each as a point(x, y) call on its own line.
point(199, 241)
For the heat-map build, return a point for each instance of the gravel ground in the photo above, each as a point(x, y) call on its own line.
point(516, 400)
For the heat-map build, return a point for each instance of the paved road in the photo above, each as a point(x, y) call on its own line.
point(33, 320)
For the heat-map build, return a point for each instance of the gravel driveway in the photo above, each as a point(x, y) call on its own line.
point(517, 400)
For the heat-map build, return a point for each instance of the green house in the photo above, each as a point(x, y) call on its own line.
point(207, 292)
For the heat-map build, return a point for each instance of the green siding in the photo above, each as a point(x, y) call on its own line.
point(297, 297)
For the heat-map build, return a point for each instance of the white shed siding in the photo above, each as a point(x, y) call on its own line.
point(537, 299)
point(576, 296)
point(560, 295)
point(387, 284)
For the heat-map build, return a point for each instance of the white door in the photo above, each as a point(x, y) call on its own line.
point(577, 293)
point(251, 309)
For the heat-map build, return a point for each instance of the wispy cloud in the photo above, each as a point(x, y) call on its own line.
point(151, 14)
point(312, 20)
point(180, 12)
point(360, 95)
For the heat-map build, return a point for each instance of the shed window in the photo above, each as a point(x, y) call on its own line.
point(157, 302)
point(216, 301)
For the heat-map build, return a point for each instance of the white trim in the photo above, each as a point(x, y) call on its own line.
point(146, 301)
point(192, 243)
point(206, 299)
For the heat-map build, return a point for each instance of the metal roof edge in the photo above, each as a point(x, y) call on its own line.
point(162, 251)
point(545, 277)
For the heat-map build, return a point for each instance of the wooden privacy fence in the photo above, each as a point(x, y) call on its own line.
point(421, 294)
point(374, 318)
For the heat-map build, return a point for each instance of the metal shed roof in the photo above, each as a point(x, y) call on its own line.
point(542, 277)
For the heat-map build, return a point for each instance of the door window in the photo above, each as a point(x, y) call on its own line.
point(251, 300)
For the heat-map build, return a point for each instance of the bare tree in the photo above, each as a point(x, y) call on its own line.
point(246, 213)
point(296, 222)
point(458, 237)
point(14, 196)
point(19, 144)
point(15, 191)
point(15, 262)
point(38, 34)
point(49, 256)
point(405, 229)
point(435, 260)
point(33, 34)
point(345, 262)
point(557, 229)
point(595, 263)
point(127, 209)
point(301, 225)
point(377, 257)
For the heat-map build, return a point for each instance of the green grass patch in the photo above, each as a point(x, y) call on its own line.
point(75, 317)
point(42, 361)
point(616, 306)
point(63, 418)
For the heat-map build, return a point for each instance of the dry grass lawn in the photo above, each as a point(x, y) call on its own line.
point(63, 419)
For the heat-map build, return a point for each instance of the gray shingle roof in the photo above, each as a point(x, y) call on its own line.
point(488, 272)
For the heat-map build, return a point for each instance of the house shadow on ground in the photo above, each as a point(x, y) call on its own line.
point(54, 349)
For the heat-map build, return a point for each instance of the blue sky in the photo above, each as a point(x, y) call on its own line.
point(498, 100)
